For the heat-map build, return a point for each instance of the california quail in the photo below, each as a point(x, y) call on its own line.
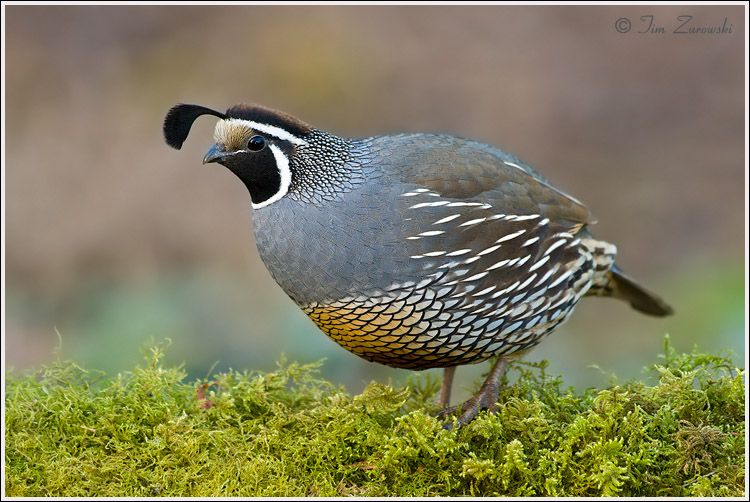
point(414, 250)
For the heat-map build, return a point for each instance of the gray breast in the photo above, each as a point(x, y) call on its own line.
point(325, 252)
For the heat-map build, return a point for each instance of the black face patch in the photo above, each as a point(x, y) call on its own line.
point(263, 115)
point(258, 171)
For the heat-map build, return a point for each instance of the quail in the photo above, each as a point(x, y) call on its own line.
point(414, 250)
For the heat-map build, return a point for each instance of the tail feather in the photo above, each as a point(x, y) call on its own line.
point(622, 286)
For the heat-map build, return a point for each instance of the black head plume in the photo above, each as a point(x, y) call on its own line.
point(180, 119)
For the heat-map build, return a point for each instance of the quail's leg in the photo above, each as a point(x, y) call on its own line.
point(485, 399)
point(445, 389)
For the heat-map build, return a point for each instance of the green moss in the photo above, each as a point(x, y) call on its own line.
point(72, 432)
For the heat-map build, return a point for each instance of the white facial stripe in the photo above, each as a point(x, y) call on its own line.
point(282, 164)
point(276, 132)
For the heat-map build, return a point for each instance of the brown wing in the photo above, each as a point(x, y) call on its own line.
point(502, 239)
point(474, 246)
point(467, 170)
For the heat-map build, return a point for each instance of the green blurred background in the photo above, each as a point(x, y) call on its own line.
point(113, 239)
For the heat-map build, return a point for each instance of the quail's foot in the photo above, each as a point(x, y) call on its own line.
point(485, 399)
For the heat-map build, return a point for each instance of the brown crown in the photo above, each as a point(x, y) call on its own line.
point(269, 116)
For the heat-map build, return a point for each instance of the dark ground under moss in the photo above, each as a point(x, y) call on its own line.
point(71, 432)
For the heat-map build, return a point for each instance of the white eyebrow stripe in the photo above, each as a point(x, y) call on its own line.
point(274, 131)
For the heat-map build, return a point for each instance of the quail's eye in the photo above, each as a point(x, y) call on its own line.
point(256, 143)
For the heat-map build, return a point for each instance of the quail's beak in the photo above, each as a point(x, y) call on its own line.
point(214, 154)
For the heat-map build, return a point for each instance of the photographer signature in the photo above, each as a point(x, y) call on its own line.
point(683, 25)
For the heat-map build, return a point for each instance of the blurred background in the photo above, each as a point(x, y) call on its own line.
point(114, 240)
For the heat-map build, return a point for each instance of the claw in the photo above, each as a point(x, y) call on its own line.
point(449, 410)
point(485, 399)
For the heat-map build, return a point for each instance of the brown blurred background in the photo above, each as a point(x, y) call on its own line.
point(113, 239)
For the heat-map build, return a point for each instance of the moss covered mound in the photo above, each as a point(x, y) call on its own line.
point(70, 432)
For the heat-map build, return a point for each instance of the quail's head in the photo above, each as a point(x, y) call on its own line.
point(256, 143)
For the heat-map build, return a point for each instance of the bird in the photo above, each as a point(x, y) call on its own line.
point(414, 250)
